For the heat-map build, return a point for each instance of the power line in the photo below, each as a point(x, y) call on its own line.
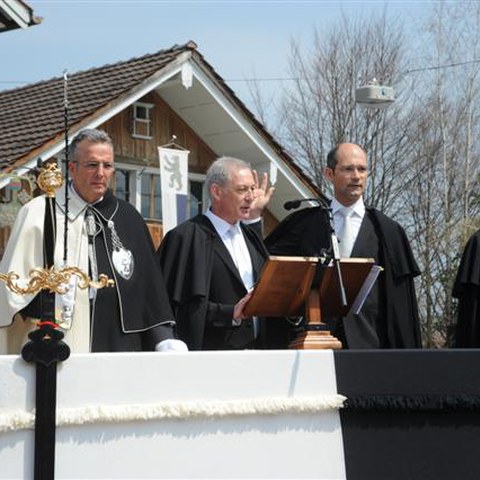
point(279, 79)
point(291, 79)
point(439, 67)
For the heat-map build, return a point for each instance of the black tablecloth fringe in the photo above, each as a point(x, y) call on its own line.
point(413, 403)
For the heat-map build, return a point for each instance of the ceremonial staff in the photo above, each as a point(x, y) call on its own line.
point(45, 347)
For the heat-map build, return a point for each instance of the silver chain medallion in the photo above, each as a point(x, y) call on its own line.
point(122, 258)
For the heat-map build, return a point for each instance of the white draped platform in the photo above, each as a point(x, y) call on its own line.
point(246, 414)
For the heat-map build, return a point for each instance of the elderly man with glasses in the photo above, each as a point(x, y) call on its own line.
point(106, 235)
point(211, 262)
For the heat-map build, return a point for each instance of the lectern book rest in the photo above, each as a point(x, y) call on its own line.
point(286, 283)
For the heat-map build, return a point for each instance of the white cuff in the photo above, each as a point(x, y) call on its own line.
point(171, 345)
point(251, 221)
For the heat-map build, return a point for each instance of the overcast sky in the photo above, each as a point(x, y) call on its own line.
point(240, 39)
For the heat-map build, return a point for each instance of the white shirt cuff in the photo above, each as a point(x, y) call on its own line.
point(253, 220)
point(171, 345)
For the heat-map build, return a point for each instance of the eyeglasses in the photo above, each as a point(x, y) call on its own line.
point(245, 190)
point(350, 169)
point(94, 166)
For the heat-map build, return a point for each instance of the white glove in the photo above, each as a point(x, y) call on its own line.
point(171, 345)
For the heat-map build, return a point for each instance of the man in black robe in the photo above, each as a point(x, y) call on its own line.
point(389, 316)
point(208, 280)
point(135, 314)
point(467, 289)
point(107, 236)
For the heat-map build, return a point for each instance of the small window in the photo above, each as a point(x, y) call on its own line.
point(195, 199)
point(151, 197)
point(142, 120)
point(121, 184)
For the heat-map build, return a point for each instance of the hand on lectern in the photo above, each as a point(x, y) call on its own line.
point(238, 314)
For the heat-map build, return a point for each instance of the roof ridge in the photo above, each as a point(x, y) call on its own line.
point(175, 49)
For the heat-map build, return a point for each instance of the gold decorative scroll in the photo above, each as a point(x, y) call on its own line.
point(54, 280)
point(50, 180)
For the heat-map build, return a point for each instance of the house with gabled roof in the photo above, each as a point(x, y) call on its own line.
point(143, 103)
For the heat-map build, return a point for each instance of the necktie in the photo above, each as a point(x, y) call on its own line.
point(346, 235)
point(241, 257)
point(243, 262)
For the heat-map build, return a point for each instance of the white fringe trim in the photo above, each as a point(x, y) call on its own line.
point(21, 420)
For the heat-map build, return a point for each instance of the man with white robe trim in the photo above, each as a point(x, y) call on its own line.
point(91, 169)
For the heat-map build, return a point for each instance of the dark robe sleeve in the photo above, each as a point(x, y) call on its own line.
point(403, 322)
point(144, 298)
point(467, 289)
point(284, 240)
point(256, 227)
point(185, 259)
point(469, 269)
point(301, 233)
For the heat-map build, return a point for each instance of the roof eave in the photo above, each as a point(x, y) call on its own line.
point(17, 15)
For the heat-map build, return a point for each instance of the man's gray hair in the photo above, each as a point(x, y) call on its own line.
point(219, 171)
point(92, 135)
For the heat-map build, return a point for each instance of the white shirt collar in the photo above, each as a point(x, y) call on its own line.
point(221, 226)
point(358, 207)
point(74, 193)
point(76, 205)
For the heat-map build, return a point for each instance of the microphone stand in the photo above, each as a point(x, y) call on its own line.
point(316, 333)
point(335, 254)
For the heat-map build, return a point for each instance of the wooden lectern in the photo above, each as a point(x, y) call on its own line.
point(303, 286)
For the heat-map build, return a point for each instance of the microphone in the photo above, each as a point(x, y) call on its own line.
point(290, 205)
point(334, 255)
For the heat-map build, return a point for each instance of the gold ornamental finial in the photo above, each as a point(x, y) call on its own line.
point(50, 179)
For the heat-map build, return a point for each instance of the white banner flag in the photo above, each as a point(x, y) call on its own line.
point(174, 182)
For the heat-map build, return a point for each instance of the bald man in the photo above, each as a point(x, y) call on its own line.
point(389, 316)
